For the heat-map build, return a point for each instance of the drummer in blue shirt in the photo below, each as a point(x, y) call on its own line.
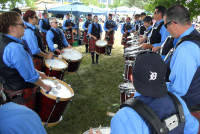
point(18, 119)
point(185, 62)
point(44, 27)
point(151, 88)
point(56, 36)
point(159, 32)
point(68, 26)
point(32, 40)
point(95, 32)
point(16, 66)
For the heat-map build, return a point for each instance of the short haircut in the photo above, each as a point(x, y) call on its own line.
point(161, 9)
point(148, 19)
point(51, 19)
point(143, 14)
point(17, 10)
point(137, 15)
point(89, 14)
point(7, 19)
point(178, 14)
point(129, 18)
point(95, 16)
point(110, 15)
point(44, 13)
point(28, 14)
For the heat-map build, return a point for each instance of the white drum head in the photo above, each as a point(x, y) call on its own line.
point(101, 43)
point(104, 130)
point(126, 86)
point(63, 92)
point(72, 54)
point(56, 63)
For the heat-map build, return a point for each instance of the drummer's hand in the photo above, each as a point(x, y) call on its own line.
point(141, 36)
point(145, 46)
point(141, 40)
point(42, 75)
point(156, 48)
point(49, 55)
point(69, 46)
point(47, 87)
point(97, 131)
point(58, 50)
point(87, 29)
point(110, 29)
point(136, 32)
point(95, 38)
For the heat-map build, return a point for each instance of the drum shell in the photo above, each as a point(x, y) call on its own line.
point(100, 50)
point(126, 93)
point(46, 105)
point(56, 72)
point(128, 70)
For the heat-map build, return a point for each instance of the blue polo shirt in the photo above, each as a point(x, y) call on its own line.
point(122, 28)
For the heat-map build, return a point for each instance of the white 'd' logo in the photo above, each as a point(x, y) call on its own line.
point(153, 75)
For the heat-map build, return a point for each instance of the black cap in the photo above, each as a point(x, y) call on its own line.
point(110, 15)
point(89, 14)
point(67, 13)
point(149, 75)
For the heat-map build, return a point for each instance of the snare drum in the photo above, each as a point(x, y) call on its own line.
point(55, 67)
point(128, 70)
point(130, 56)
point(133, 48)
point(104, 130)
point(132, 42)
point(101, 46)
point(51, 106)
point(127, 91)
point(73, 57)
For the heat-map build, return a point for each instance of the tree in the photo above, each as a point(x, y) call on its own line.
point(93, 2)
point(192, 5)
point(13, 3)
point(117, 3)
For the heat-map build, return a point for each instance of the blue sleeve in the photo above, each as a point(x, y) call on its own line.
point(40, 26)
point(127, 121)
point(164, 34)
point(49, 39)
point(104, 27)
point(31, 41)
point(63, 38)
point(63, 27)
point(90, 29)
point(122, 29)
point(191, 123)
point(84, 26)
point(16, 57)
point(183, 65)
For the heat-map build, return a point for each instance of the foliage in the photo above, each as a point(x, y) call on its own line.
point(137, 3)
point(192, 5)
point(93, 2)
point(117, 3)
point(13, 3)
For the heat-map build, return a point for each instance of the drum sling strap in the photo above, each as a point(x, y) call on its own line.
point(170, 53)
point(150, 116)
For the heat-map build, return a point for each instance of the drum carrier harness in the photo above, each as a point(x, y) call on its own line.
point(159, 127)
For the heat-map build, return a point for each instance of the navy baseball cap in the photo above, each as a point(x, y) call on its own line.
point(149, 72)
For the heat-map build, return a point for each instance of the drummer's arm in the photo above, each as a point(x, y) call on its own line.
point(49, 39)
point(122, 29)
point(40, 83)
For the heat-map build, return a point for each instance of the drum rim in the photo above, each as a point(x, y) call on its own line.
point(54, 97)
point(57, 69)
point(70, 59)
point(99, 45)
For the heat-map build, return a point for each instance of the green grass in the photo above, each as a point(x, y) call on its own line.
point(96, 92)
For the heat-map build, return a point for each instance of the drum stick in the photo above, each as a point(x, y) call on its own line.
point(99, 127)
point(110, 114)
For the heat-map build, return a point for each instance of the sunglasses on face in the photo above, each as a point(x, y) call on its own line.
point(35, 17)
point(55, 22)
point(21, 24)
point(169, 23)
point(156, 12)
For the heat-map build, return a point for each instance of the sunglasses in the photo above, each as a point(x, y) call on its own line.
point(21, 24)
point(55, 22)
point(156, 12)
point(35, 17)
point(169, 23)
